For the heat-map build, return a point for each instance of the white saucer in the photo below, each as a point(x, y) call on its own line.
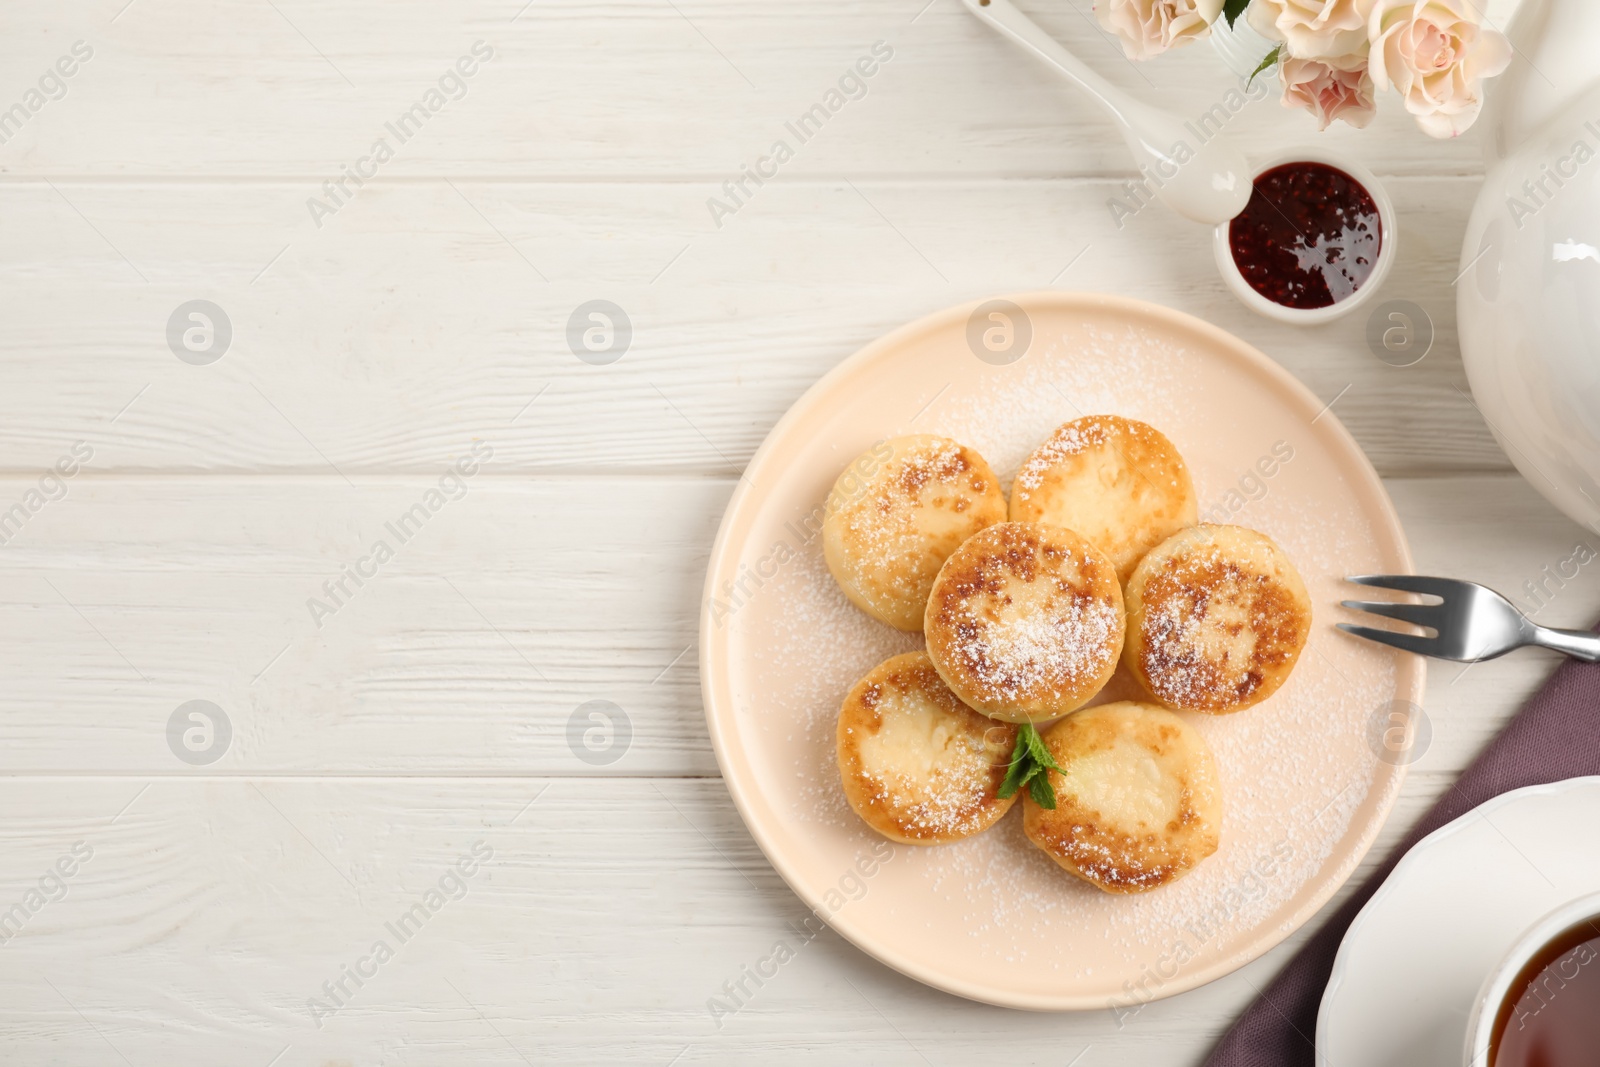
point(1410, 966)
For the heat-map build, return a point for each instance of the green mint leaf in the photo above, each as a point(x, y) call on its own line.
point(1030, 767)
point(1267, 60)
point(1042, 792)
point(1017, 772)
point(1038, 751)
point(1232, 9)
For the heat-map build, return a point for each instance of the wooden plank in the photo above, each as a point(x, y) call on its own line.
point(419, 318)
point(600, 918)
point(620, 89)
point(467, 650)
point(473, 647)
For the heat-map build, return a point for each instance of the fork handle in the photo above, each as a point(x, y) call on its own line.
point(1579, 644)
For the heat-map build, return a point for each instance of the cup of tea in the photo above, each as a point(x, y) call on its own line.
point(1540, 1006)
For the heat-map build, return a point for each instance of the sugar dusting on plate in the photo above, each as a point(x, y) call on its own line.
point(1296, 770)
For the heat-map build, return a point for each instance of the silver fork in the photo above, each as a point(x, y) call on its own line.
point(1471, 622)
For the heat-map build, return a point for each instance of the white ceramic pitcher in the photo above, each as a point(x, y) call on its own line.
point(1528, 300)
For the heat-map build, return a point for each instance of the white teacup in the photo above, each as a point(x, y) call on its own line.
point(1495, 988)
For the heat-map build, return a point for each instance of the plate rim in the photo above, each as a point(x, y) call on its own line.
point(713, 664)
point(1413, 856)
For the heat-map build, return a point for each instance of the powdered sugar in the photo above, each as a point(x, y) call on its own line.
point(1006, 417)
point(1217, 617)
point(1079, 436)
point(1300, 784)
point(1050, 654)
point(898, 511)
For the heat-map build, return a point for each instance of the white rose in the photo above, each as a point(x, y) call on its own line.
point(1313, 29)
point(1435, 53)
point(1330, 89)
point(1149, 27)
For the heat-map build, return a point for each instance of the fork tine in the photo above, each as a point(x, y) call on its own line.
point(1418, 614)
point(1410, 583)
point(1422, 646)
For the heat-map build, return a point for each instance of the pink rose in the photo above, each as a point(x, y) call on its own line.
point(1330, 89)
point(1313, 29)
point(1435, 53)
point(1149, 27)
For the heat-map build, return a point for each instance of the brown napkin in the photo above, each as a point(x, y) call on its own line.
point(1552, 738)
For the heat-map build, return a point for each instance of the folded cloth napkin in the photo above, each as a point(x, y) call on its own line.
point(1554, 737)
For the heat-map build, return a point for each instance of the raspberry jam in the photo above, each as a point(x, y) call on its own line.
point(1309, 237)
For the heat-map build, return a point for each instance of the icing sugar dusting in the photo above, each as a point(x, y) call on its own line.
point(893, 554)
point(1297, 772)
point(1048, 652)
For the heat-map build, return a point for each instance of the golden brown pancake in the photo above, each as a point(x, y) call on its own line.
point(917, 764)
point(1138, 804)
point(1116, 481)
point(1217, 616)
point(1025, 621)
point(895, 515)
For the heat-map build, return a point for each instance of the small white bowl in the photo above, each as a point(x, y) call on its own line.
point(1380, 270)
point(1480, 1028)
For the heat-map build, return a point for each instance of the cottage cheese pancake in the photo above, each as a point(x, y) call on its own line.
point(1138, 802)
point(918, 765)
point(1025, 621)
point(1116, 481)
point(897, 513)
point(1217, 616)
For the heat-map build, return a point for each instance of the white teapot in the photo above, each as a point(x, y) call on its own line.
point(1528, 300)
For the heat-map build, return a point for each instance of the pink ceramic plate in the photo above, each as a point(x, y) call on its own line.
point(991, 918)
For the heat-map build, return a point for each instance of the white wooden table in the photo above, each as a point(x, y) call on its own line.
point(418, 723)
